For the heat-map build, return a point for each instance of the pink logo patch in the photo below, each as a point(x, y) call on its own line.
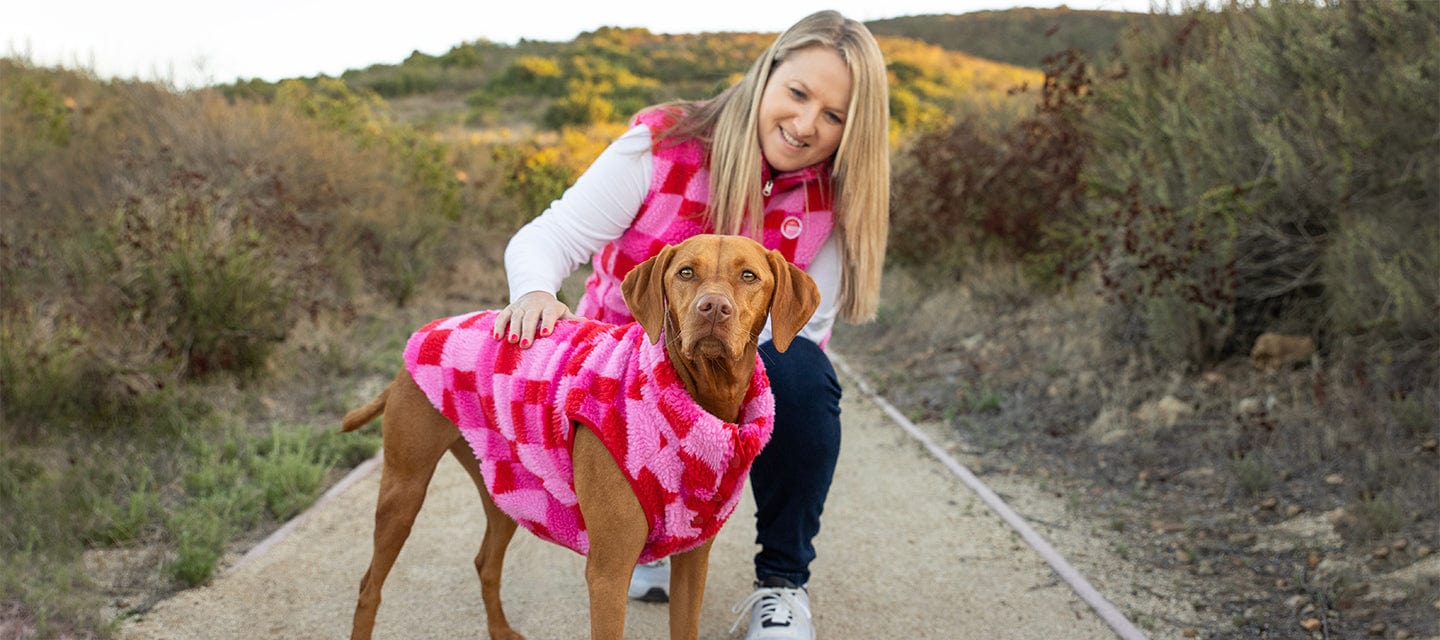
point(791, 228)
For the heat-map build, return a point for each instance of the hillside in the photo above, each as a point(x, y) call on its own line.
point(1020, 37)
point(606, 75)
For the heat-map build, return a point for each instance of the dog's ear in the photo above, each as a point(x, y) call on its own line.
point(794, 300)
point(644, 290)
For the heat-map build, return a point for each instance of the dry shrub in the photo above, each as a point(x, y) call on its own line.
point(977, 192)
point(174, 236)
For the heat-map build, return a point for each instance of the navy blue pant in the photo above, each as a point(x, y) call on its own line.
point(791, 476)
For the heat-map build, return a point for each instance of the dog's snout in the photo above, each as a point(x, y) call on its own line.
point(714, 307)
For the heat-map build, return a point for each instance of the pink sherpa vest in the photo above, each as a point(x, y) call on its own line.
point(516, 407)
point(797, 218)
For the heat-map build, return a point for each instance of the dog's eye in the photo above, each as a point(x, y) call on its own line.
point(748, 276)
point(686, 273)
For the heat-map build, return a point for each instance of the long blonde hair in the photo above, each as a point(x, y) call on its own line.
point(728, 125)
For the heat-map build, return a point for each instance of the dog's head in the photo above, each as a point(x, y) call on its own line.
point(711, 294)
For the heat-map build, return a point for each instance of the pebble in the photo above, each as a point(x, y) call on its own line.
point(1269, 504)
point(1378, 629)
point(1381, 553)
point(1293, 510)
point(1311, 624)
point(1334, 479)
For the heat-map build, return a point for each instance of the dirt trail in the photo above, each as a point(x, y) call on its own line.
point(907, 552)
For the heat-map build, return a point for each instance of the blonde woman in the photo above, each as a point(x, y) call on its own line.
point(803, 138)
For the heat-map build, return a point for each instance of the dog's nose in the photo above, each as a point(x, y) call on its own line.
point(714, 307)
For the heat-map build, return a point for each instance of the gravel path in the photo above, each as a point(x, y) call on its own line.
point(907, 552)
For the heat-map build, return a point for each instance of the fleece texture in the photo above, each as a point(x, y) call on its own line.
point(517, 409)
point(797, 221)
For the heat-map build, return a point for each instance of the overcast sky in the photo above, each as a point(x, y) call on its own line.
point(193, 43)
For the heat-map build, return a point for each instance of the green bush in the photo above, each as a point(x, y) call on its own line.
point(1271, 167)
point(204, 279)
point(290, 471)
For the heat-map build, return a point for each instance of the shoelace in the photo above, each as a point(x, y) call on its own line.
point(777, 605)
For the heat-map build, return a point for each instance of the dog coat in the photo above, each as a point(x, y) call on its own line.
point(517, 407)
point(797, 220)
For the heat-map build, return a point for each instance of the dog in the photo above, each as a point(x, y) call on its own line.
point(708, 298)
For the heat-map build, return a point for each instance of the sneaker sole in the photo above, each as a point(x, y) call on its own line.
point(655, 594)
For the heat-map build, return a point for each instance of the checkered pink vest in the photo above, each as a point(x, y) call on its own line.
point(797, 218)
point(517, 407)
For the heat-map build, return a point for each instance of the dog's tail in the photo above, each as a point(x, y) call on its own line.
point(362, 416)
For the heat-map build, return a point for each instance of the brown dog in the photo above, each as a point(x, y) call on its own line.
point(709, 296)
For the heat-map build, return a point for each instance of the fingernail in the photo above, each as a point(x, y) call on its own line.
point(525, 342)
point(514, 337)
point(545, 331)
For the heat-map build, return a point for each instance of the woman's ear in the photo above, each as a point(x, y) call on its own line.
point(792, 303)
point(644, 290)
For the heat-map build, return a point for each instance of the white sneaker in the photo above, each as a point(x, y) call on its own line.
point(779, 610)
point(651, 582)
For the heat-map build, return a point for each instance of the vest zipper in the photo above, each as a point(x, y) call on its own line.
point(769, 184)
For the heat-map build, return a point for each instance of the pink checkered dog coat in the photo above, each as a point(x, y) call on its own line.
point(517, 407)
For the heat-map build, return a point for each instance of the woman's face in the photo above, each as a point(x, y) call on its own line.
point(803, 108)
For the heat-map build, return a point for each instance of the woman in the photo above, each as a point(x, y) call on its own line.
point(802, 137)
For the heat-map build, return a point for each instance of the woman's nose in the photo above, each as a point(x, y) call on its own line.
point(805, 122)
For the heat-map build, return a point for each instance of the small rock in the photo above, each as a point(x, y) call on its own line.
point(1213, 377)
point(1403, 635)
point(1184, 557)
point(1274, 351)
point(1164, 412)
point(1191, 632)
point(1205, 568)
point(1242, 539)
point(1335, 480)
point(1381, 553)
point(1293, 510)
point(1311, 624)
point(1269, 504)
point(1423, 551)
point(1297, 601)
point(1400, 545)
point(1250, 407)
point(1430, 445)
point(1161, 526)
point(1313, 560)
point(1378, 628)
point(1308, 610)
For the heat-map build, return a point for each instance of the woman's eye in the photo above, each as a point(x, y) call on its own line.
point(834, 118)
point(797, 94)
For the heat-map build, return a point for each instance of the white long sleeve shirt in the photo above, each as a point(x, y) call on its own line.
point(601, 206)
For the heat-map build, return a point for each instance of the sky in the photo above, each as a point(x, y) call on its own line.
point(188, 43)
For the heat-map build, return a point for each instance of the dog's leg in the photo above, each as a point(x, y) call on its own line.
point(617, 529)
point(415, 437)
point(687, 590)
point(489, 563)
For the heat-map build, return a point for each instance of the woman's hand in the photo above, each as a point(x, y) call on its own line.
point(518, 322)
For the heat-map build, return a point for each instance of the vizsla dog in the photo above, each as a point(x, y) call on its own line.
point(614, 468)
